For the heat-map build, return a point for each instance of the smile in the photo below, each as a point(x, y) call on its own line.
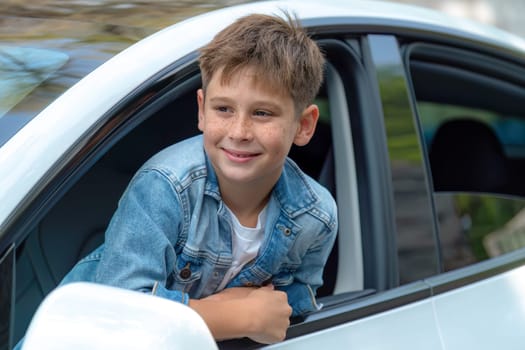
point(237, 156)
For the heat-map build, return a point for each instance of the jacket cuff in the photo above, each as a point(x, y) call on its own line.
point(301, 298)
point(175, 295)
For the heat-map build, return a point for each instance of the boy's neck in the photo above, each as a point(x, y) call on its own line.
point(245, 203)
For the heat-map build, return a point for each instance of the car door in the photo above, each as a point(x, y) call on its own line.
point(472, 126)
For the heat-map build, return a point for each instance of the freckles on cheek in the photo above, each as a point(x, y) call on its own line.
point(272, 135)
point(278, 138)
point(218, 125)
point(279, 132)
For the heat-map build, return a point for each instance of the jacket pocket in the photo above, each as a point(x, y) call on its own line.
point(187, 275)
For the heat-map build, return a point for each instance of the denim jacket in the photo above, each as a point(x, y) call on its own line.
point(171, 233)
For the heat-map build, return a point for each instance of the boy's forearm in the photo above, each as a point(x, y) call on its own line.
point(225, 318)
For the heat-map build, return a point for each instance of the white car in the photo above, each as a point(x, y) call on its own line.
point(421, 140)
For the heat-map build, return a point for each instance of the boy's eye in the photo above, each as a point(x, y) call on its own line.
point(222, 109)
point(262, 113)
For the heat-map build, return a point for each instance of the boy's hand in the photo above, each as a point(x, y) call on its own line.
point(261, 314)
point(269, 314)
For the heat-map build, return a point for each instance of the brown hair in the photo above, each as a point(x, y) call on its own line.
point(278, 49)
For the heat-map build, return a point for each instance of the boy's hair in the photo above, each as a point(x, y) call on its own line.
point(279, 50)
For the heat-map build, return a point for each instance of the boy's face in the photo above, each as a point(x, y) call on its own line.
point(249, 127)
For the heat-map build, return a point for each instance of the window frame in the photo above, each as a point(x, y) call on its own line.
point(7, 276)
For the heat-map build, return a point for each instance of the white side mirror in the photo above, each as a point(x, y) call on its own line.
point(91, 316)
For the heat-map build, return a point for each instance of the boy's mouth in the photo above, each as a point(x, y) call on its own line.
point(239, 156)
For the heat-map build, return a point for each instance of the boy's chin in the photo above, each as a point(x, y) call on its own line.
point(251, 178)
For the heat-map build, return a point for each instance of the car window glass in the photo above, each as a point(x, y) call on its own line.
point(473, 126)
point(22, 69)
point(417, 255)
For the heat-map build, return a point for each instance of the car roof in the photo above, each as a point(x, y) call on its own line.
point(371, 14)
point(47, 137)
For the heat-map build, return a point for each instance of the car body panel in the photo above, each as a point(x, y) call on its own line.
point(392, 329)
point(493, 307)
point(458, 319)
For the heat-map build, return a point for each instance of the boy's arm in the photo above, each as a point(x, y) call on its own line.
point(261, 314)
point(138, 253)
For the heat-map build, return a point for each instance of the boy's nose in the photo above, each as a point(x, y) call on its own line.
point(240, 128)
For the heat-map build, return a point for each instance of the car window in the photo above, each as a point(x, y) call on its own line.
point(470, 109)
point(417, 255)
point(74, 225)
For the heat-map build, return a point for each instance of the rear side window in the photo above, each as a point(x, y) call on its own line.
point(472, 120)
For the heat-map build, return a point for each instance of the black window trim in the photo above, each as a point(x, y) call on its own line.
point(7, 292)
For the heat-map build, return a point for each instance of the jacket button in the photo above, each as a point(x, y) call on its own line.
point(287, 231)
point(248, 284)
point(185, 273)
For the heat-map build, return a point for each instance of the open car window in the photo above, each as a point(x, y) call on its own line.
point(163, 114)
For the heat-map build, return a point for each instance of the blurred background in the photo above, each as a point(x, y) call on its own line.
point(54, 43)
point(155, 14)
point(504, 14)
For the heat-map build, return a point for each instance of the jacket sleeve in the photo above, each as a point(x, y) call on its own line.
point(139, 241)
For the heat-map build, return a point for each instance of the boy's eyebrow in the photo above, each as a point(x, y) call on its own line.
point(261, 103)
point(220, 99)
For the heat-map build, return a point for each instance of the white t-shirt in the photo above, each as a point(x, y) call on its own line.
point(246, 242)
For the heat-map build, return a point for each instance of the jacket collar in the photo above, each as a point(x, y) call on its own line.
point(294, 193)
point(212, 183)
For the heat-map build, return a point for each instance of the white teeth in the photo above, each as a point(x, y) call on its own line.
point(241, 155)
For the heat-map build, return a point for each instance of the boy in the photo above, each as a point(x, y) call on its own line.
point(224, 221)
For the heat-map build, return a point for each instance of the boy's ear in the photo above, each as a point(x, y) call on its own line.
point(307, 123)
point(200, 104)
